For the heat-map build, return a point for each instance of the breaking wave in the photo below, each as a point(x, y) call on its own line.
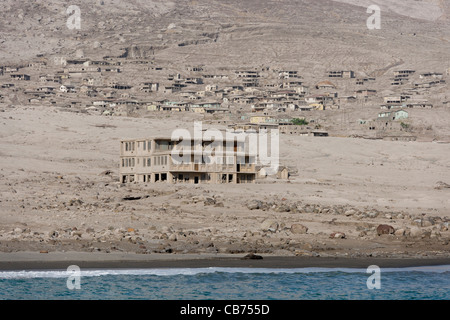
point(29, 274)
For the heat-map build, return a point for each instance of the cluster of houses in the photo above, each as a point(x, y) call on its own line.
point(257, 98)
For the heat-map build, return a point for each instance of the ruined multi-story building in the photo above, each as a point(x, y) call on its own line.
point(194, 161)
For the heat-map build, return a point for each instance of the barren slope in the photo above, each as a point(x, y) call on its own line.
point(313, 35)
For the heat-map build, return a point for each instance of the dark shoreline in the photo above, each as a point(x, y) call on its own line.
point(132, 261)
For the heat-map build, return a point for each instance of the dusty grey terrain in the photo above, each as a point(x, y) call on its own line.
point(314, 35)
point(60, 192)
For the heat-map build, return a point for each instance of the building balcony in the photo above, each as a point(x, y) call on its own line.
point(201, 167)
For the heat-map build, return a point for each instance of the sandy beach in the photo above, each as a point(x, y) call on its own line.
point(32, 261)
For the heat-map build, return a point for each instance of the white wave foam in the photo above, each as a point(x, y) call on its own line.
point(196, 271)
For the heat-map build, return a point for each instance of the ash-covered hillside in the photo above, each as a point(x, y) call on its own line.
point(314, 35)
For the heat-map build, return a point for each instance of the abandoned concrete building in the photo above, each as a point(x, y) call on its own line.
point(249, 78)
point(188, 161)
point(286, 74)
point(24, 77)
point(341, 74)
point(403, 73)
point(393, 115)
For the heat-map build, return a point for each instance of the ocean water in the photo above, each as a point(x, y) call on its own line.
point(421, 283)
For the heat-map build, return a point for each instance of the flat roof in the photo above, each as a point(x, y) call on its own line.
point(234, 135)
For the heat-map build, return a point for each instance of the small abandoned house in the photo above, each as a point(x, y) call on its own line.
point(403, 73)
point(20, 77)
point(394, 115)
point(341, 74)
point(286, 74)
point(325, 85)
